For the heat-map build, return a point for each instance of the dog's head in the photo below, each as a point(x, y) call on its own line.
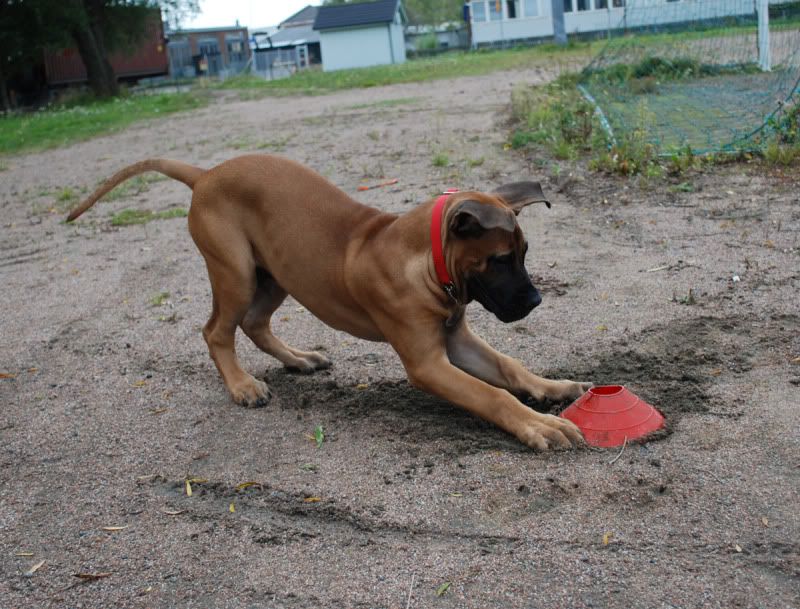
point(489, 248)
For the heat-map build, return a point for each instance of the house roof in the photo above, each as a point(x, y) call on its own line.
point(355, 14)
point(294, 36)
point(302, 17)
point(208, 30)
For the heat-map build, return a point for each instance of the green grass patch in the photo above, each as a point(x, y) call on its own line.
point(135, 186)
point(60, 126)
point(557, 118)
point(247, 143)
point(446, 65)
point(385, 103)
point(64, 199)
point(128, 217)
point(440, 160)
point(159, 300)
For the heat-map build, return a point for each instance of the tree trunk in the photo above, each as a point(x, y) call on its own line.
point(5, 102)
point(89, 40)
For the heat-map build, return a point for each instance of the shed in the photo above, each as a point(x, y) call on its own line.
point(361, 34)
point(292, 46)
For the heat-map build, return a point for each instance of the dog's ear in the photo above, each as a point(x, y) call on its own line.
point(521, 194)
point(471, 219)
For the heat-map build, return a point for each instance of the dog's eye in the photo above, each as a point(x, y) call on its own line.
point(502, 260)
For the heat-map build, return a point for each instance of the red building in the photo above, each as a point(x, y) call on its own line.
point(149, 58)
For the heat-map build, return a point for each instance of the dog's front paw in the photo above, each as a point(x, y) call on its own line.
point(308, 362)
point(251, 392)
point(548, 432)
point(568, 390)
point(319, 361)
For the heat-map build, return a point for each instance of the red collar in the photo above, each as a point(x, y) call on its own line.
point(436, 244)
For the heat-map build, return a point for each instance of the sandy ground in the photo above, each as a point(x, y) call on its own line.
point(109, 402)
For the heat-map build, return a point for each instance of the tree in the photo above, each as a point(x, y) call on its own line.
point(99, 27)
point(23, 25)
point(96, 28)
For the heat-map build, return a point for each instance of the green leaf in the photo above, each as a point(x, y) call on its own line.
point(319, 435)
point(441, 590)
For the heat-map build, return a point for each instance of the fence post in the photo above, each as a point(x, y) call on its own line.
point(764, 56)
point(559, 31)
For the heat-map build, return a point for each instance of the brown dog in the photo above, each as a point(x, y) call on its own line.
point(268, 227)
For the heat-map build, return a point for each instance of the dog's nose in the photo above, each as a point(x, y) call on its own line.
point(534, 298)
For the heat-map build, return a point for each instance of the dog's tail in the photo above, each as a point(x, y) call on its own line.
point(188, 174)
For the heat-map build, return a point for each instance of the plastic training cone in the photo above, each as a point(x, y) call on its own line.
point(609, 414)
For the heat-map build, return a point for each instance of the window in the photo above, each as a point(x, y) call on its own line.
point(479, 11)
point(236, 50)
point(567, 6)
point(512, 9)
point(208, 46)
point(600, 4)
point(495, 10)
point(584, 5)
point(619, 3)
point(531, 8)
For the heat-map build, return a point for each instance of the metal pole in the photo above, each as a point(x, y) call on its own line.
point(559, 31)
point(764, 55)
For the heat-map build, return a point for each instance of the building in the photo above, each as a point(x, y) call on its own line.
point(293, 45)
point(504, 22)
point(148, 58)
point(361, 34)
point(218, 51)
point(432, 38)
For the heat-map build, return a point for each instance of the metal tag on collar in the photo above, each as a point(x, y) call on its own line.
point(450, 191)
point(450, 289)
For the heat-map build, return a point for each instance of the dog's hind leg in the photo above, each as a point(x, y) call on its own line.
point(233, 284)
point(256, 324)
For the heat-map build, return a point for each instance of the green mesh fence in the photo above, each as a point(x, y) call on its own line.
point(690, 73)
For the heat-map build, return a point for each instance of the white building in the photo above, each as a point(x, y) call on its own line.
point(501, 22)
point(361, 34)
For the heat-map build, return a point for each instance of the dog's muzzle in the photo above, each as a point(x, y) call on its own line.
point(506, 303)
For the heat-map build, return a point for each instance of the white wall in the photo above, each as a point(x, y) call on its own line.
point(398, 42)
point(359, 47)
point(640, 13)
point(521, 27)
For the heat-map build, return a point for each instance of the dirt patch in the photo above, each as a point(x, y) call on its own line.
point(676, 365)
point(391, 410)
point(110, 400)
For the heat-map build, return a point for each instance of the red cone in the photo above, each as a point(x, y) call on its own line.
point(609, 414)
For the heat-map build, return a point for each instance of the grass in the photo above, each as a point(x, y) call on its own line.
point(134, 186)
point(128, 217)
point(59, 126)
point(385, 103)
point(557, 118)
point(440, 160)
point(446, 65)
point(246, 143)
point(159, 299)
point(782, 146)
